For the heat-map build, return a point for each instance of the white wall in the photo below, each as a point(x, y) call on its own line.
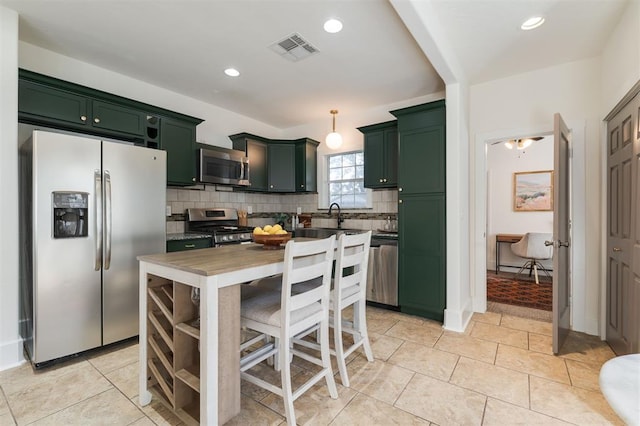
point(524, 104)
point(621, 58)
point(10, 342)
point(502, 163)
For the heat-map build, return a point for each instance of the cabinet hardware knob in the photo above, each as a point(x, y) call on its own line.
point(301, 186)
point(399, 201)
point(270, 186)
point(96, 120)
point(380, 180)
point(193, 179)
point(385, 180)
point(399, 189)
point(617, 249)
point(83, 117)
point(189, 246)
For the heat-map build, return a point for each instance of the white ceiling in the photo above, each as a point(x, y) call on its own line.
point(184, 46)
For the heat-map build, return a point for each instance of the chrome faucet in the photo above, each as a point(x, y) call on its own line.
point(340, 219)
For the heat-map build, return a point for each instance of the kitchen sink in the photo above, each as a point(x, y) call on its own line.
point(324, 232)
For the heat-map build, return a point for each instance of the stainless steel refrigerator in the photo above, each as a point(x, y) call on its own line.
point(88, 208)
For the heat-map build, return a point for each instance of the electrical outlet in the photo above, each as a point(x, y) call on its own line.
point(298, 210)
point(168, 211)
point(249, 209)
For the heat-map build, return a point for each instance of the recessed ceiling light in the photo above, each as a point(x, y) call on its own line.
point(333, 26)
point(232, 72)
point(531, 23)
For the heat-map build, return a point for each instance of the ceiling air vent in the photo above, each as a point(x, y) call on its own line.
point(293, 48)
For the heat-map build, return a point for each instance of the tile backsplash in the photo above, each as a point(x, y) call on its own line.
point(264, 206)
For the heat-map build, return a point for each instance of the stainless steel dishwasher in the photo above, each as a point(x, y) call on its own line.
point(382, 275)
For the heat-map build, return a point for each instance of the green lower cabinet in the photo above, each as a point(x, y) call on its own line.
point(178, 139)
point(422, 255)
point(188, 244)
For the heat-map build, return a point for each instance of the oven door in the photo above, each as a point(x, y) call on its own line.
point(226, 167)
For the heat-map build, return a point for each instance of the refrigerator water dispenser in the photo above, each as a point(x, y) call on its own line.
point(70, 211)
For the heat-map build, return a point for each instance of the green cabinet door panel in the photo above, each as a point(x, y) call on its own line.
point(281, 167)
point(422, 160)
point(391, 157)
point(380, 155)
point(257, 154)
point(306, 164)
point(41, 104)
point(374, 159)
point(118, 119)
point(178, 140)
point(421, 255)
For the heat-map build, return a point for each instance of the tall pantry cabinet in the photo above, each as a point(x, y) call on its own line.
point(422, 209)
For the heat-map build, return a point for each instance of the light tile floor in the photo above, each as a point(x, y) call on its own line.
point(500, 371)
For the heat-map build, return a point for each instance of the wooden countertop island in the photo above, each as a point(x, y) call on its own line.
point(196, 371)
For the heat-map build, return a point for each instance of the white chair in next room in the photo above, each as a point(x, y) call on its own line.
point(532, 247)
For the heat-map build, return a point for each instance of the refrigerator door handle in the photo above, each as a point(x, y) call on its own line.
point(107, 213)
point(97, 181)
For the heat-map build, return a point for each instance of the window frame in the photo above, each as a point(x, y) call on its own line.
point(323, 189)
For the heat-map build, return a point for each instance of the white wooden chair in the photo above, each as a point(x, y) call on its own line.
point(349, 289)
point(282, 315)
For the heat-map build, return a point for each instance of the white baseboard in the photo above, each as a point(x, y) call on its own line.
point(11, 354)
point(457, 320)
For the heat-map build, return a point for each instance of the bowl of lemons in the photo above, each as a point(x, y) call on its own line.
point(270, 236)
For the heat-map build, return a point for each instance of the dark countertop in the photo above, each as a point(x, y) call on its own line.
point(186, 236)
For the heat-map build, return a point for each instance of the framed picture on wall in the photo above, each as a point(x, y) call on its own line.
point(533, 191)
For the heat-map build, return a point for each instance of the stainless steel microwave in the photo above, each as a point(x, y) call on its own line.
point(223, 166)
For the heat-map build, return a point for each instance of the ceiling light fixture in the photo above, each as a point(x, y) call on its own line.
point(521, 143)
point(531, 23)
point(232, 72)
point(334, 140)
point(333, 26)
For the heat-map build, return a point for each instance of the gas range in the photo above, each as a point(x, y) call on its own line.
point(220, 223)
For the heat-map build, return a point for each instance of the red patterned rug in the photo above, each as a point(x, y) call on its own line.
point(519, 290)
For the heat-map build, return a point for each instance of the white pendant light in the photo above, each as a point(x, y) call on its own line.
point(334, 140)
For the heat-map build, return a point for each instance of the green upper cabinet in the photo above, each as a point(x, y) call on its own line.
point(279, 165)
point(46, 105)
point(380, 155)
point(422, 148)
point(255, 148)
point(178, 139)
point(422, 210)
point(59, 104)
point(306, 165)
point(118, 119)
point(41, 104)
point(281, 168)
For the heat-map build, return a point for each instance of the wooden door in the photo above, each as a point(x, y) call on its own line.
point(622, 274)
point(561, 233)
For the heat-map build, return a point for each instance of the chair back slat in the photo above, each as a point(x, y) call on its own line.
point(353, 252)
point(306, 261)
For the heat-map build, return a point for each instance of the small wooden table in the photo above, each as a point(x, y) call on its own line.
point(504, 238)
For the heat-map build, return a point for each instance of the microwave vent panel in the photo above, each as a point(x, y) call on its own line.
point(294, 48)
